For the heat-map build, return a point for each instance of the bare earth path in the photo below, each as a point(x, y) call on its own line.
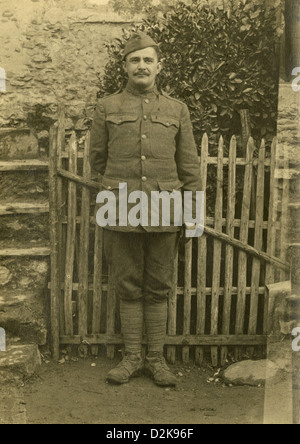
point(76, 393)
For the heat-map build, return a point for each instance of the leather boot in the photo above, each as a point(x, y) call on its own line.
point(131, 366)
point(157, 369)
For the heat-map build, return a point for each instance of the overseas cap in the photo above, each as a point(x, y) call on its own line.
point(138, 41)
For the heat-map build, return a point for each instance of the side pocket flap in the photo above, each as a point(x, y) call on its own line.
point(170, 186)
point(112, 184)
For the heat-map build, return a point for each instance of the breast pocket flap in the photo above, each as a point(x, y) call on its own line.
point(166, 121)
point(118, 119)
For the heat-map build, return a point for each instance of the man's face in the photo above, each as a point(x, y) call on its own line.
point(142, 68)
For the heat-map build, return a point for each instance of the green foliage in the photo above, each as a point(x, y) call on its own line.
point(217, 62)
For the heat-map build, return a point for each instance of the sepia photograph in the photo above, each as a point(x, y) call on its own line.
point(150, 214)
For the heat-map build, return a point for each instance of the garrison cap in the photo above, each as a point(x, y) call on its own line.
point(139, 41)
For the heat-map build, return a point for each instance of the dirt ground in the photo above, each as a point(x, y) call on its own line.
point(77, 393)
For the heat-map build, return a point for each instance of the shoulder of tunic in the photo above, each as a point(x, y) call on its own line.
point(110, 96)
point(164, 94)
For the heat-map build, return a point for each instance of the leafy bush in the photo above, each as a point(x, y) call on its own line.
point(218, 62)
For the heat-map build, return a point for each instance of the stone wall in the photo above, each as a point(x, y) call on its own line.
point(52, 52)
point(288, 136)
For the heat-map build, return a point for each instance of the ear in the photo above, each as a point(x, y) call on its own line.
point(159, 67)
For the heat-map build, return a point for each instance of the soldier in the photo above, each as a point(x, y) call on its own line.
point(144, 139)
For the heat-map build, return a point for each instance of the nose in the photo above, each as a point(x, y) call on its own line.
point(142, 64)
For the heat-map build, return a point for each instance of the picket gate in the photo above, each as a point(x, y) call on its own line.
point(219, 302)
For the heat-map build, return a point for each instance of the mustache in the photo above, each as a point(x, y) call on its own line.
point(145, 73)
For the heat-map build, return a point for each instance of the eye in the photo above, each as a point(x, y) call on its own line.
point(149, 61)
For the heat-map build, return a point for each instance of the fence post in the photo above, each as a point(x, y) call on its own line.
point(54, 239)
point(294, 301)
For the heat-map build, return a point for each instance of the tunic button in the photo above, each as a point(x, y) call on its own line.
point(109, 188)
point(144, 179)
point(144, 137)
point(144, 158)
point(145, 117)
point(147, 101)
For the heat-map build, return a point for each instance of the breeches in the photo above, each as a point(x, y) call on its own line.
point(142, 264)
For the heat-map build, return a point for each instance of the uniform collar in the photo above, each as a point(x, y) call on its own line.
point(152, 92)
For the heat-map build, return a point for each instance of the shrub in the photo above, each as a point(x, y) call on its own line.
point(218, 62)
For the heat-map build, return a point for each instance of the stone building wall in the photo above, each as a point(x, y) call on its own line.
point(52, 52)
point(288, 156)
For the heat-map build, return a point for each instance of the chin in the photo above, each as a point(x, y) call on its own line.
point(142, 82)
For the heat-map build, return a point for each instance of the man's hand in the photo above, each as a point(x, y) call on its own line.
point(187, 226)
point(191, 230)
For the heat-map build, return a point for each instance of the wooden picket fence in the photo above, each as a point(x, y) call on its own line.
point(219, 303)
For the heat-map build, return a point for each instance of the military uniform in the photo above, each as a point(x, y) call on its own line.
point(146, 141)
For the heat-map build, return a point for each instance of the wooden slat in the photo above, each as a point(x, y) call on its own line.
point(239, 161)
point(284, 216)
point(180, 290)
point(23, 252)
point(244, 247)
point(294, 205)
point(202, 257)
point(23, 208)
point(236, 223)
point(258, 240)
point(24, 165)
point(61, 199)
point(71, 238)
point(242, 258)
point(210, 222)
point(97, 282)
point(271, 242)
point(15, 131)
point(193, 340)
point(187, 298)
point(54, 239)
point(111, 314)
point(211, 160)
point(43, 165)
point(83, 270)
point(172, 314)
point(217, 253)
point(65, 155)
point(229, 253)
point(78, 179)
